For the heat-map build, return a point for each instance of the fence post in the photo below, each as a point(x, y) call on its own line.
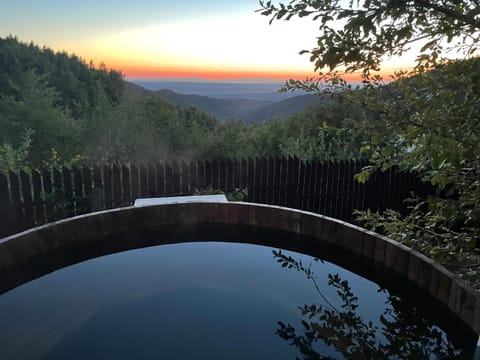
point(27, 199)
point(336, 189)
point(168, 179)
point(143, 181)
point(222, 175)
point(193, 185)
point(78, 192)
point(201, 182)
point(87, 187)
point(16, 202)
point(215, 174)
point(68, 192)
point(48, 193)
point(292, 182)
point(126, 193)
point(186, 178)
point(107, 186)
point(6, 220)
point(176, 178)
point(37, 197)
point(117, 186)
point(260, 180)
point(270, 180)
point(208, 174)
point(301, 187)
point(314, 193)
point(244, 173)
point(97, 191)
point(348, 206)
point(229, 181)
point(160, 171)
point(251, 180)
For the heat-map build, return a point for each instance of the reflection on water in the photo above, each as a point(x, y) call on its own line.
point(336, 326)
point(210, 301)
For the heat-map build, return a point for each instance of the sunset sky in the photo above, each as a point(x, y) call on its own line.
point(211, 40)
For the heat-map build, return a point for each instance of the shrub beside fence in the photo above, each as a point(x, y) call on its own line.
point(36, 197)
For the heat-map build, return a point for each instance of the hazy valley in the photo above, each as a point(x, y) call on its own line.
point(250, 102)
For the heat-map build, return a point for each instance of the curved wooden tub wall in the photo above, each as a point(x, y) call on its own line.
point(35, 252)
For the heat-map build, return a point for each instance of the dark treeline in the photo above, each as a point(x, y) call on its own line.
point(55, 109)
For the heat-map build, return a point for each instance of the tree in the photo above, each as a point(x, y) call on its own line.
point(426, 120)
point(32, 118)
point(430, 124)
point(72, 79)
point(358, 34)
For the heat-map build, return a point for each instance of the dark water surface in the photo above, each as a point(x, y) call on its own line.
point(212, 301)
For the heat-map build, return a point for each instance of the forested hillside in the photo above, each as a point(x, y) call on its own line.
point(249, 110)
point(55, 109)
point(75, 82)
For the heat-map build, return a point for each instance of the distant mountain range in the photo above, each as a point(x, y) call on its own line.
point(285, 107)
point(248, 110)
point(223, 109)
point(266, 91)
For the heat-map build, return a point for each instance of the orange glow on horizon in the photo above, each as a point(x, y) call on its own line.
point(209, 74)
point(219, 75)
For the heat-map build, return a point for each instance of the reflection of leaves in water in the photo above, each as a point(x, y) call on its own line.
point(406, 334)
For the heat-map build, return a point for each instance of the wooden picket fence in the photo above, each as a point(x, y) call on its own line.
point(35, 197)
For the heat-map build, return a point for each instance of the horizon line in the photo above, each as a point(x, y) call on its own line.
point(226, 77)
point(207, 80)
